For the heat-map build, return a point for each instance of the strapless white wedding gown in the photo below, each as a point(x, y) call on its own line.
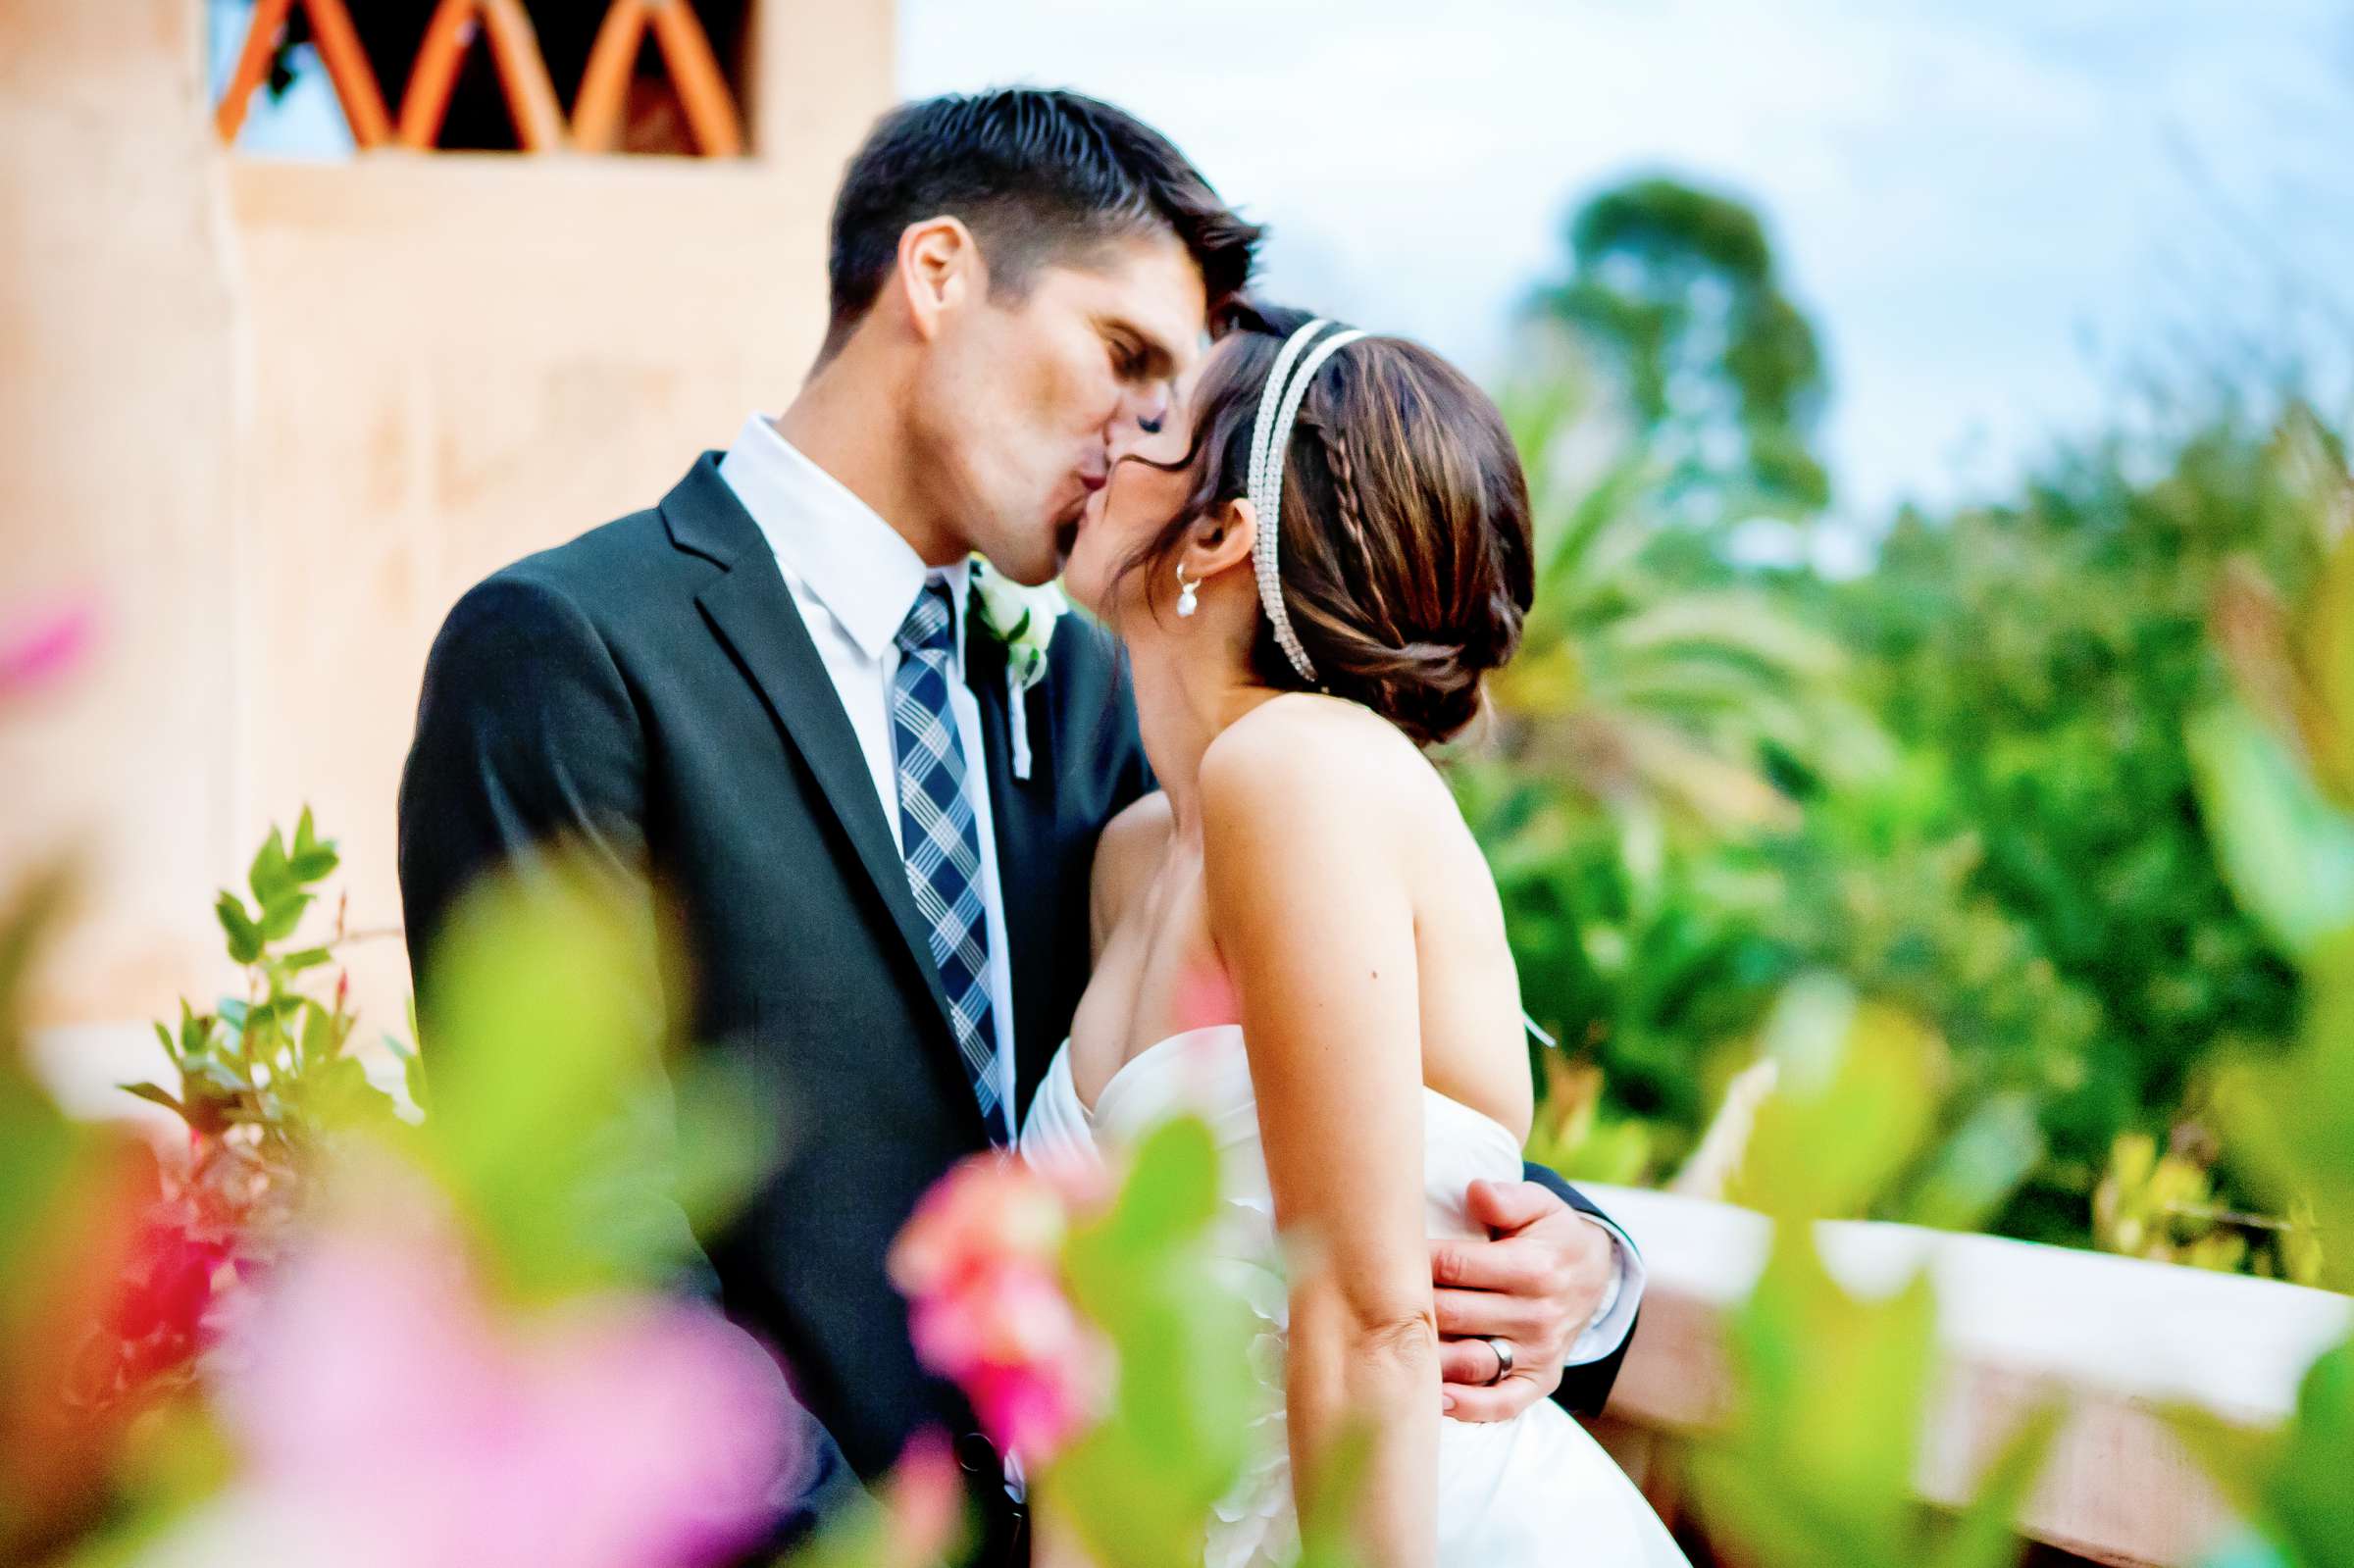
point(1533, 1490)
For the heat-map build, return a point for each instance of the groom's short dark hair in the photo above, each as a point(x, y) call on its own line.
point(1036, 175)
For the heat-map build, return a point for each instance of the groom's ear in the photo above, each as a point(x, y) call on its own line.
point(940, 268)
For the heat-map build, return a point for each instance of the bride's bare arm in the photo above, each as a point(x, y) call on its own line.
point(1313, 920)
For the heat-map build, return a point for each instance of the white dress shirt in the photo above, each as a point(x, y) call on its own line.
point(854, 579)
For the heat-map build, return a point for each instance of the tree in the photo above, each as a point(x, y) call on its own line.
point(1674, 290)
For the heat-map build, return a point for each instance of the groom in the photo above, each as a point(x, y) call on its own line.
point(768, 695)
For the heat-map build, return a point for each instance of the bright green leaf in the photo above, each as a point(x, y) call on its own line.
point(319, 1039)
point(316, 865)
point(269, 876)
point(1141, 1486)
point(2305, 1498)
point(2292, 1119)
point(549, 1115)
point(195, 1031)
point(245, 936)
point(2288, 852)
point(155, 1095)
point(282, 914)
point(1850, 1105)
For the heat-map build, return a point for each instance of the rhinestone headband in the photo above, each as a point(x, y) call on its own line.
point(1270, 442)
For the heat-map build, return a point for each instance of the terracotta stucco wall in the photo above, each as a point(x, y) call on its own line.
point(278, 416)
point(121, 377)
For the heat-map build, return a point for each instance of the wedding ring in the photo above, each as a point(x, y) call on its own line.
point(1504, 1358)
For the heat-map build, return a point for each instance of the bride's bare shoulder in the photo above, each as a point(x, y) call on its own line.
point(1305, 755)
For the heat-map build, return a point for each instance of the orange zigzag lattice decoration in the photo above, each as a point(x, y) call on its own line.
point(339, 50)
point(522, 73)
point(686, 50)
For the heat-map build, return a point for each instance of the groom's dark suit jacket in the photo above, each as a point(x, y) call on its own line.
point(650, 690)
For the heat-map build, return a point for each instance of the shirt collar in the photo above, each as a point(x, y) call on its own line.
point(855, 564)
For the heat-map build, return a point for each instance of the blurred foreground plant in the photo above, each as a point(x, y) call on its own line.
point(260, 1082)
point(1093, 1338)
point(457, 1352)
point(73, 1197)
point(2277, 777)
point(1104, 1348)
point(1831, 1389)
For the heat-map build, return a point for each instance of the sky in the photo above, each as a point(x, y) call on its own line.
point(1996, 212)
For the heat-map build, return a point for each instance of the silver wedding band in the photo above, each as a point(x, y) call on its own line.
point(1504, 1359)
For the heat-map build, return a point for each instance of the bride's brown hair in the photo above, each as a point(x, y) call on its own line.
point(1407, 561)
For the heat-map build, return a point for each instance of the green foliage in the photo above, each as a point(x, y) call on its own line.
point(1855, 1094)
point(1574, 1138)
point(50, 1168)
point(2025, 864)
point(2297, 1115)
point(38, 1146)
point(2284, 822)
point(1139, 1487)
point(265, 1082)
point(2161, 1206)
point(2049, 657)
point(1831, 1389)
point(575, 1150)
point(2288, 851)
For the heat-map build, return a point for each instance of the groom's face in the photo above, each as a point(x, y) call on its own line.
point(1031, 399)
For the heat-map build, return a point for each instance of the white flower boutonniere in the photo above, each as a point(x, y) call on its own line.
point(1023, 620)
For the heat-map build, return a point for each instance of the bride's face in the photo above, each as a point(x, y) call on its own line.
point(1130, 512)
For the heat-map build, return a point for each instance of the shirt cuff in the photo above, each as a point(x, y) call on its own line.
point(1615, 1318)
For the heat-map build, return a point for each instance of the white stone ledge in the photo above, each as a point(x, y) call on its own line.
point(2117, 1339)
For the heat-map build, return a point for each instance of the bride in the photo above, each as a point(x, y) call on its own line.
point(1311, 567)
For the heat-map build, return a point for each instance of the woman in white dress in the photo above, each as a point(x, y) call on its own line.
point(1311, 567)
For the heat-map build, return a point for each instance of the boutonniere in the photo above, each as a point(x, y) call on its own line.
point(1023, 620)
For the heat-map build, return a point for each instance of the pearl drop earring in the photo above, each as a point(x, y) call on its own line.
point(1186, 589)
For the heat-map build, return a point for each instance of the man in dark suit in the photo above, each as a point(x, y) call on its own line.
point(724, 693)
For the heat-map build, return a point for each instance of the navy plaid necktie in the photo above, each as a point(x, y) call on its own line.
point(939, 838)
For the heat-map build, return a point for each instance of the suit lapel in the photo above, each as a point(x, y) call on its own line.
point(753, 615)
point(1022, 812)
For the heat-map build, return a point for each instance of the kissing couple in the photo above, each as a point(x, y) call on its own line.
point(1186, 854)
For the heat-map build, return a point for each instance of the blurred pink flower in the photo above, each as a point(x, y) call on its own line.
point(923, 1504)
point(166, 1291)
point(34, 655)
point(380, 1406)
point(981, 1263)
point(990, 1211)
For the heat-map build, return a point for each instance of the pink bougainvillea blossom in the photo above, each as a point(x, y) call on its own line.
point(380, 1405)
point(980, 1262)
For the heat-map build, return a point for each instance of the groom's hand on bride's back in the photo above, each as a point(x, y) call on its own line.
point(1535, 1286)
